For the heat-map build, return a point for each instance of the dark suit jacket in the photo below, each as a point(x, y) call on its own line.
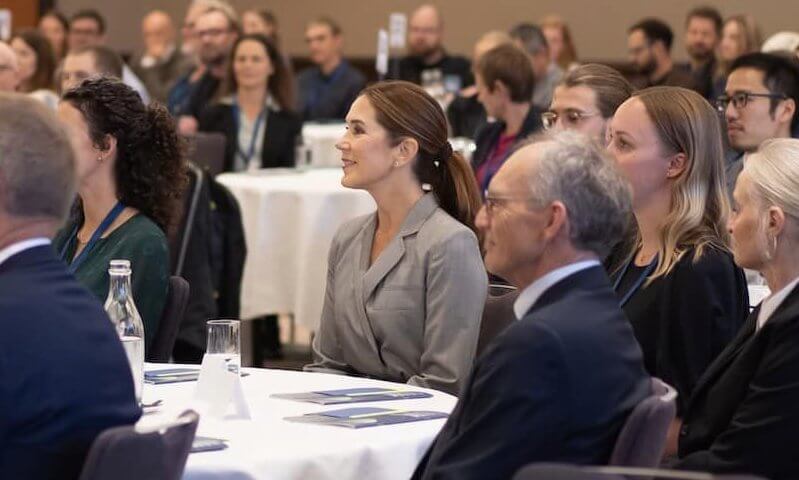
point(487, 136)
point(280, 135)
point(160, 77)
point(744, 413)
point(556, 386)
point(64, 376)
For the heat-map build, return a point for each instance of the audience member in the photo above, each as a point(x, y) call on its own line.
point(740, 36)
point(782, 42)
point(702, 35)
point(188, 37)
point(327, 89)
point(263, 21)
point(9, 69)
point(130, 170)
point(216, 29)
point(557, 385)
point(256, 111)
point(559, 40)
point(465, 113)
point(760, 102)
point(90, 62)
point(36, 66)
point(87, 29)
point(504, 82)
point(162, 62)
point(547, 73)
point(55, 27)
point(679, 287)
point(586, 99)
point(426, 50)
point(649, 47)
point(743, 413)
point(412, 269)
point(54, 331)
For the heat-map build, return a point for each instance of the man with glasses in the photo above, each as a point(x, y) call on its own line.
point(759, 103)
point(557, 385)
point(216, 30)
point(9, 69)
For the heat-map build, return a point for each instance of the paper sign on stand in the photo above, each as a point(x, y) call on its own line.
point(218, 388)
point(5, 24)
point(398, 26)
point(381, 62)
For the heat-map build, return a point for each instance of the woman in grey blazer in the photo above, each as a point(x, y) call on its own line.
point(406, 284)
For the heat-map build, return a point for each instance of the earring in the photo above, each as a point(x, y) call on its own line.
point(396, 164)
point(100, 159)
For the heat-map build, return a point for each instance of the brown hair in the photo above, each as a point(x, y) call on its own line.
point(281, 82)
point(508, 64)
point(611, 88)
point(44, 75)
point(686, 123)
point(568, 55)
point(328, 22)
point(405, 110)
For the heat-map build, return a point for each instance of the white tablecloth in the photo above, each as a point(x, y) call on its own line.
point(268, 447)
point(319, 144)
point(290, 219)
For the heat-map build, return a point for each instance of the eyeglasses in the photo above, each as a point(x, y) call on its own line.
point(741, 99)
point(492, 201)
point(570, 118)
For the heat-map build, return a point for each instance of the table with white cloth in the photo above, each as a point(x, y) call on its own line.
point(269, 447)
point(290, 218)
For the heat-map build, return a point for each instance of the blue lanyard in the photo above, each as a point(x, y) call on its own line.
point(107, 221)
point(638, 282)
point(258, 121)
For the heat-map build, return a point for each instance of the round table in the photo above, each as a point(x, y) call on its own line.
point(290, 218)
point(269, 447)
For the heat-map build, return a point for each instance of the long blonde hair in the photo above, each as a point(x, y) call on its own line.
point(686, 123)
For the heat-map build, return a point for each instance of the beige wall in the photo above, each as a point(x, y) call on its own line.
point(599, 27)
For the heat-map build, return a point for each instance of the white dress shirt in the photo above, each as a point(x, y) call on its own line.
point(772, 302)
point(18, 247)
point(533, 292)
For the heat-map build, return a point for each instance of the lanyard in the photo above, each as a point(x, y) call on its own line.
point(107, 221)
point(638, 282)
point(247, 155)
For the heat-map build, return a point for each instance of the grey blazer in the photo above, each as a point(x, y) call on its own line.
point(414, 315)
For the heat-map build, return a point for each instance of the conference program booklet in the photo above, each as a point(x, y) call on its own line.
point(174, 375)
point(362, 417)
point(352, 395)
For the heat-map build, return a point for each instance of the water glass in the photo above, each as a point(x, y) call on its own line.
point(224, 339)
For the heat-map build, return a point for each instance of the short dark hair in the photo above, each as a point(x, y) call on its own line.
point(530, 37)
point(708, 13)
point(107, 61)
point(780, 75)
point(655, 30)
point(510, 65)
point(90, 14)
point(334, 27)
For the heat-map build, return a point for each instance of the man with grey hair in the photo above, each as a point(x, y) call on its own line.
point(9, 69)
point(547, 73)
point(558, 384)
point(52, 327)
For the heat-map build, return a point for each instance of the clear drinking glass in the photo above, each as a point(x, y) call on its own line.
point(224, 339)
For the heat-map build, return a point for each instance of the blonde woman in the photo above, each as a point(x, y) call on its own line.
point(559, 39)
point(678, 286)
point(739, 35)
point(743, 415)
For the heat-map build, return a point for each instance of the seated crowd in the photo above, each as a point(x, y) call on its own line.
point(625, 211)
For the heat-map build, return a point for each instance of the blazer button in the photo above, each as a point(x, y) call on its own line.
point(684, 430)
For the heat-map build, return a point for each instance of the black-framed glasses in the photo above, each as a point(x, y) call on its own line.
point(569, 117)
point(740, 100)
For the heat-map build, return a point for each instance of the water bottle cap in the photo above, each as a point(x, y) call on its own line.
point(119, 264)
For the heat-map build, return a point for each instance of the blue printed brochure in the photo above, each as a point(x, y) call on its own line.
point(352, 395)
point(366, 417)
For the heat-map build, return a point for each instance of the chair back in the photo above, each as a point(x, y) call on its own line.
point(553, 471)
point(643, 436)
point(497, 314)
point(177, 298)
point(128, 453)
point(207, 149)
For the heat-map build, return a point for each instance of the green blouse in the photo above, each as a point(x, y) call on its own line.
point(143, 243)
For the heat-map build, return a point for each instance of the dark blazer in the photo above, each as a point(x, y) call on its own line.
point(280, 135)
point(556, 386)
point(65, 376)
point(744, 414)
point(488, 135)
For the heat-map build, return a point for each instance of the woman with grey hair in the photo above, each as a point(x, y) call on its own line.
point(744, 410)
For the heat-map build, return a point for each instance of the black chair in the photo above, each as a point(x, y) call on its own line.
point(553, 471)
point(207, 149)
point(497, 314)
point(128, 453)
point(174, 310)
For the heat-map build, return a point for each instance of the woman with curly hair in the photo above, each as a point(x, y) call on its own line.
point(130, 166)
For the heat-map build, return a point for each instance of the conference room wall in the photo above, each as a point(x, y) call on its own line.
point(599, 26)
